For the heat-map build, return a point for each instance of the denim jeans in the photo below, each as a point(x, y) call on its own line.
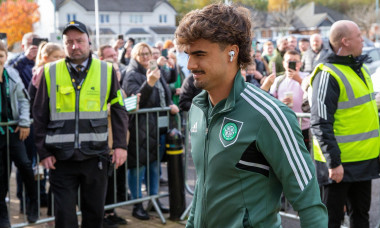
point(152, 179)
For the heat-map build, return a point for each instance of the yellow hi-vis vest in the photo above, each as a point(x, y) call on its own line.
point(356, 125)
point(78, 116)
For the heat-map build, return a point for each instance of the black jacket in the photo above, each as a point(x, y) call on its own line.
point(189, 91)
point(322, 128)
point(136, 82)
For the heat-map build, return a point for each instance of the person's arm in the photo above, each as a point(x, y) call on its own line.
point(280, 141)
point(325, 95)
point(23, 127)
point(119, 122)
point(187, 95)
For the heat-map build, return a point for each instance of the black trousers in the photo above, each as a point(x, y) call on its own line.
point(357, 195)
point(66, 179)
point(18, 155)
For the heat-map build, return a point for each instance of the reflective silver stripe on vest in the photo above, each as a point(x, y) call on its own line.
point(366, 70)
point(84, 137)
point(71, 115)
point(357, 137)
point(352, 101)
point(103, 86)
point(254, 165)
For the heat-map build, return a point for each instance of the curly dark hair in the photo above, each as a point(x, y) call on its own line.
point(218, 23)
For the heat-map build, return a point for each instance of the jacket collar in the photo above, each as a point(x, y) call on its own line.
point(136, 66)
point(201, 100)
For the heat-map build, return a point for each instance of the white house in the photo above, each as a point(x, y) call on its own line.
point(143, 20)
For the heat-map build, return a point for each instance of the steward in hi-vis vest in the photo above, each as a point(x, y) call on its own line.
point(356, 122)
point(345, 127)
point(71, 128)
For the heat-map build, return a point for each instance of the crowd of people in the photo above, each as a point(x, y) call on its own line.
point(244, 97)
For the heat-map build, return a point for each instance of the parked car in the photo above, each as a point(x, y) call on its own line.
point(374, 62)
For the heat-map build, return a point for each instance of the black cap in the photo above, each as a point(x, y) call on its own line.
point(77, 25)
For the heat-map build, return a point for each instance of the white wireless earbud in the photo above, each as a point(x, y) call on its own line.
point(231, 54)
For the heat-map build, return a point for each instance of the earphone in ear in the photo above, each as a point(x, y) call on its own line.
point(231, 54)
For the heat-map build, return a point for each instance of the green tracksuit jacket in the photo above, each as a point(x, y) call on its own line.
point(247, 150)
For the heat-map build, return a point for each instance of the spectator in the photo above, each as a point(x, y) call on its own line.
point(159, 45)
point(24, 64)
point(14, 106)
point(292, 43)
point(345, 126)
point(277, 59)
point(316, 54)
point(240, 135)
point(78, 159)
point(189, 91)
point(107, 53)
point(303, 45)
point(287, 88)
point(156, 53)
point(175, 86)
point(268, 51)
point(261, 65)
point(111, 218)
point(154, 93)
point(182, 58)
point(126, 52)
point(256, 78)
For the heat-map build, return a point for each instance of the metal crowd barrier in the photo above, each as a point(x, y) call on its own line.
point(162, 122)
point(188, 163)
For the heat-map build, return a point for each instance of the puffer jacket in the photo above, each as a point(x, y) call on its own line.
point(136, 82)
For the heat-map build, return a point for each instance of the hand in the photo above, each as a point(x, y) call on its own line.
point(258, 75)
point(173, 109)
point(24, 132)
point(336, 173)
point(161, 61)
point(119, 157)
point(118, 44)
point(153, 76)
point(31, 52)
point(49, 162)
point(286, 100)
point(178, 91)
point(268, 82)
point(292, 74)
point(171, 63)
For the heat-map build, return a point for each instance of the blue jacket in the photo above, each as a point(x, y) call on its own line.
point(24, 67)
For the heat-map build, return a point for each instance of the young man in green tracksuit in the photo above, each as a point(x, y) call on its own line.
point(247, 147)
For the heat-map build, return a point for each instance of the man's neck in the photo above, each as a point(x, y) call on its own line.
point(221, 92)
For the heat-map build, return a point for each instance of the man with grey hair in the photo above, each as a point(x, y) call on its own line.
point(315, 54)
point(275, 62)
point(345, 127)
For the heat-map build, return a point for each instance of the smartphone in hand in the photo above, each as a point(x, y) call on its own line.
point(292, 65)
point(152, 64)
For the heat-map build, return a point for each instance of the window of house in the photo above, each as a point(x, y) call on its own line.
point(163, 18)
point(71, 17)
point(135, 18)
point(104, 18)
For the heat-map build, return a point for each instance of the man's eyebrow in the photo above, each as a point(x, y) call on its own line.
point(196, 52)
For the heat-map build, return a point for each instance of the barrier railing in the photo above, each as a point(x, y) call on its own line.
point(162, 115)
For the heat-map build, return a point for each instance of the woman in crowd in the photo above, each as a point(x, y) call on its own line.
point(154, 92)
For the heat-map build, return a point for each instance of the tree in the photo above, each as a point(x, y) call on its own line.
point(364, 16)
point(17, 18)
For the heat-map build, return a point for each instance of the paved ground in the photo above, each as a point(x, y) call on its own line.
point(126, 211)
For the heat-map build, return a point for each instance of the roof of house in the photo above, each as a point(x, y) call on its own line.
point(163, 29)
point(316, 15)
point(118, 5)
